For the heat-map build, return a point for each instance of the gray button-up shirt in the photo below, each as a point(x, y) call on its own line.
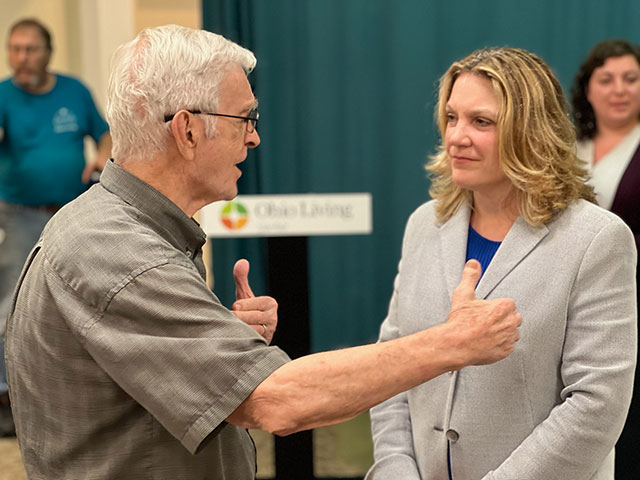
point(122, 363)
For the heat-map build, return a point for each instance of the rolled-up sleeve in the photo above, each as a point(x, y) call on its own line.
point(167, 341)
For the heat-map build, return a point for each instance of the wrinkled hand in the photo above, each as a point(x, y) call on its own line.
point(486, 329)
point(260, 313)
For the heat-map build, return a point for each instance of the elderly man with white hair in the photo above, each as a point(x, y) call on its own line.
point(122, 363)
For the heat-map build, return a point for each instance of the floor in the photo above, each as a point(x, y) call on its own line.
point(10, 461)
point(343, 451)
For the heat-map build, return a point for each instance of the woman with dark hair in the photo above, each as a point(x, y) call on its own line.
point(606, 110)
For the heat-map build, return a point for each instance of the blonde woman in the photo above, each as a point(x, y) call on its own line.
point(509, 191)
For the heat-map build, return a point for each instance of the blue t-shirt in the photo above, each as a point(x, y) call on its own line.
point(42, 149)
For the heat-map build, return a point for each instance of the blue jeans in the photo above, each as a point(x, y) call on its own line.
point(20, 229)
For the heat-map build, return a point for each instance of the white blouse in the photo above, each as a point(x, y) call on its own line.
point(606, 174)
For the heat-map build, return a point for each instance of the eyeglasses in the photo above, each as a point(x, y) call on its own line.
point(28, 49)
point(252, 119)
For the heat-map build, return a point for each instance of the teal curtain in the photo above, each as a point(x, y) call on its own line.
point(346, 90)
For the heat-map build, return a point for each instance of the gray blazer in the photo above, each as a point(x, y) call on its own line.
point(555, 407)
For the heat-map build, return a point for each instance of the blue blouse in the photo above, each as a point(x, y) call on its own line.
point(480, 248)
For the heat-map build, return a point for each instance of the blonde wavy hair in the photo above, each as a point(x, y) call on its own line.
point(536, 139)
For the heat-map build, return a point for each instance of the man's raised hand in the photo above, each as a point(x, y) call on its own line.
point(260, 313)
point(485, 331)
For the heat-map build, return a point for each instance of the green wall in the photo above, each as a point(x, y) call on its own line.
point(346, 90)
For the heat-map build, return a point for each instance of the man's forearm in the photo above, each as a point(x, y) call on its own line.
point(331, 387)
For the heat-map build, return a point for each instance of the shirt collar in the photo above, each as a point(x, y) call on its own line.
point(182, 231)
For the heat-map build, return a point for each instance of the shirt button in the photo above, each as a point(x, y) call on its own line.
point(189, 253)
point(452, 436)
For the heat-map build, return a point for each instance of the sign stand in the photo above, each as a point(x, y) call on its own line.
point(287, 221)
point(289, 284)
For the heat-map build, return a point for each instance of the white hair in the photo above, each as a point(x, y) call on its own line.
point(161, 71)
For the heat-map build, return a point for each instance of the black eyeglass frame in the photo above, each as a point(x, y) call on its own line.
point(252, 119)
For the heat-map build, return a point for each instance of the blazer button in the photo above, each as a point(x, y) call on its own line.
point(452, 436)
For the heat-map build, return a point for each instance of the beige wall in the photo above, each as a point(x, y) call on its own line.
point(86, 32)
point(151, 13)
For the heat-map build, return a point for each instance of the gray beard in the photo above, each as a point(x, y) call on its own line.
point(38, 81)
point(35, 82)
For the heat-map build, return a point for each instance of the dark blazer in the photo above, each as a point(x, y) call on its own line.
point(626, 203)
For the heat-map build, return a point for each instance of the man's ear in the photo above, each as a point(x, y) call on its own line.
point(185, 133)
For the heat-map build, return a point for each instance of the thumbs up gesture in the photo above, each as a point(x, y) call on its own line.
point(484, 331)
point(260, 313)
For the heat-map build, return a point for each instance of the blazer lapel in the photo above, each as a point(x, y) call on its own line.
point(453, 245)
point(521, 239)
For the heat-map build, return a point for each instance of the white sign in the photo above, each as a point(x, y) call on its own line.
point(289, 215)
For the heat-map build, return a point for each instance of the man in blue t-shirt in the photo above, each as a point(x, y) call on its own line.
point(44, 118)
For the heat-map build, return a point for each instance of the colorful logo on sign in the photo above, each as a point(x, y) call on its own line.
point(234, 216)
